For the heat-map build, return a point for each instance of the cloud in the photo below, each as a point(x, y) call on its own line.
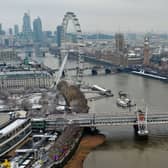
point(106, 15)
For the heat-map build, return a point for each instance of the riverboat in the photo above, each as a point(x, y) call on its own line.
point(124, 101)
point(150, 75)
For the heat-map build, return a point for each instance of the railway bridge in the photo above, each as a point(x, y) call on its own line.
point(139, 121)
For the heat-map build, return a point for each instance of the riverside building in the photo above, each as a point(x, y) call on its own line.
point(25, 79)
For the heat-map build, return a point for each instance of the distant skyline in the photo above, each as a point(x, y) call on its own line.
point(105, 16)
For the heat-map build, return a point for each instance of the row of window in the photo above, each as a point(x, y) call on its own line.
point(14, 141)
point(26, 83)
point(13, 132)
point(38, 125)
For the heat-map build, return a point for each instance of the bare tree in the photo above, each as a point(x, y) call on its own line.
point(26, 105)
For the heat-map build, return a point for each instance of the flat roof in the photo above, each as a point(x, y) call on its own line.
point(12, 126)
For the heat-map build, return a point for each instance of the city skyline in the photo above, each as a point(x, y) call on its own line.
point(95, 16)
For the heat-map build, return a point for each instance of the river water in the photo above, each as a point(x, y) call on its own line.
point(121, 150)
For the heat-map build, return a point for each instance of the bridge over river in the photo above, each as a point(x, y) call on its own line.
point(140, 121)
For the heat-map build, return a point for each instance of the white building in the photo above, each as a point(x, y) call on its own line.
point(25, 79)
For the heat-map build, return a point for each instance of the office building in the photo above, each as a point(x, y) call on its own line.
point(27, 31)
point(37, 30)
point(8, 55)
point(16, 30)
point(1, 31)
point(10, 31)
point(59, 35)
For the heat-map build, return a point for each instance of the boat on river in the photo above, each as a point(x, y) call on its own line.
point(124, 101)
point(150, 75)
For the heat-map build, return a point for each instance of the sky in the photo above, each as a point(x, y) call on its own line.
point(106, 16)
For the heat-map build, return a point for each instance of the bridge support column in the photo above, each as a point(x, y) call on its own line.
point(138, 134)
point(107, 71)
point(94, 72)
point(140, 128)
point(94, 130)
point(91, 130)
point(136, 129)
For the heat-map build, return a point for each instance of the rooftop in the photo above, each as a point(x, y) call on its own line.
point(12, 126)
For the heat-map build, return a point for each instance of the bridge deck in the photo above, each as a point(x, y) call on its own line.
point(89, 120)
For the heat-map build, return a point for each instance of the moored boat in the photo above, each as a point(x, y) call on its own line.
point(150, 75)
point(124, 100)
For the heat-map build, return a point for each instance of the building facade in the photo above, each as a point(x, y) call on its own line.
point(119, 41)
point(37, 30)
point(27, 31)
point(8, 56)
point(1, 30)
point(16, 30)
point(25, 80)
point(59, 35)
point(164, 64)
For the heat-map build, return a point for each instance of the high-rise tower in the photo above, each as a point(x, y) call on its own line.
point(37, 30)
point(27, 31)
point(0, 27)
point(16, 29)
point(10, 31)
point(1, 31)
point(146, 51)
point(59, 35)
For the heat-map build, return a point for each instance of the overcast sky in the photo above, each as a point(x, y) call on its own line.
point(94, 15)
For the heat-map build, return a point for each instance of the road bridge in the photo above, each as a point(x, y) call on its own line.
point(102, 62)
point(74, 68)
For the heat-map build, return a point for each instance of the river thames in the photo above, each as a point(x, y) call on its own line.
point(121, 149)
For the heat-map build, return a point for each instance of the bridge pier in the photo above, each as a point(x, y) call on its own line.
point(140, 128)
point(107, 71)
point(94, 72)
point(91, 130)
point(138, 134)
point(136, 129)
